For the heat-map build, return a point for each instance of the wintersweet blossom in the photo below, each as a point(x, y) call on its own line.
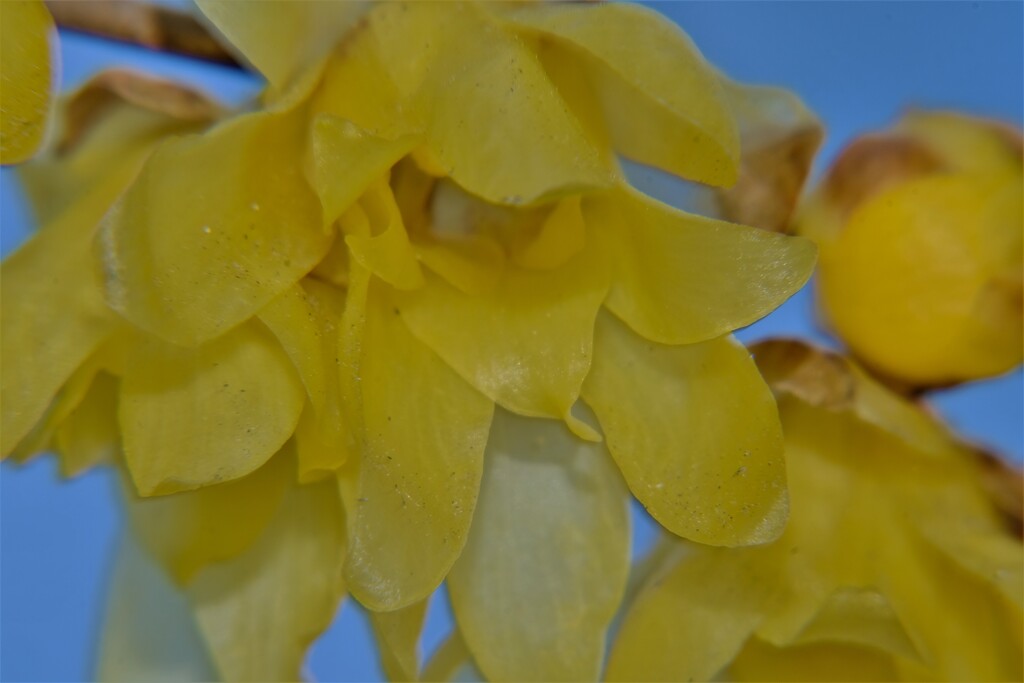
point(895, 565)
point(403, 321)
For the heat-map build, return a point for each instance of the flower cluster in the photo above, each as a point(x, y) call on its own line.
point(403, 321)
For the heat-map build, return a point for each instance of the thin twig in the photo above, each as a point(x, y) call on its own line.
point(138, 23)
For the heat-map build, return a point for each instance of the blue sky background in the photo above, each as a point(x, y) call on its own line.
point(857, 64)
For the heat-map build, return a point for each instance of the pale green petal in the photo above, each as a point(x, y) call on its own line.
point(149, 631)
point(548, 555)
point(214, 227)
point(695, 432)
point(195, 417)
point(679, 278)
point(527, 343)
point(282, 38)
point(260, 612)
point(662, 102)
point(415, 488)
point(25, 73)
point(188, 531)
point(398, 636)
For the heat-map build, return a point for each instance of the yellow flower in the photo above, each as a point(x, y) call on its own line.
point(920, 235)
point(895, 563)
point(317, 334)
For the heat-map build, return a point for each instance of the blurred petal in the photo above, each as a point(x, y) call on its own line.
point(819, 662)
point(194, 417)
point(548, 555)
point(188, 531)
point(90, 434)
point(526, 344)
point(283, 37)
point(398, 636)
point(689, 623)
point(25, 55)
point(645, 68)
point(149, 632)
point(451, 662)
point(679, 278)
point(260, 612)
point(214, 227)
point(42, 345)
point(695, 431)
point(424, 431)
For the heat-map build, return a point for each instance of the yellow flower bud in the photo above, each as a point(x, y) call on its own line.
point(920, 237)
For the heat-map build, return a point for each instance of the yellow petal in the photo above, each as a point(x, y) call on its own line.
point(188, 531)
point(383, 246)
point(548, 555)
point(527, 343)
point(695, 432)
point(347, 159)
point(214, 227)
point(283, 37)
point(644, 68)
point(90, 434)
point(679, 278)
point(472, 264)
point(305, 320)
point(194, 417)
point(818, 662)
point(561, 236)
point(149, 632)
point(859, 616)
point(692, 620)
point(25, 78)
point(398, 635)
point(415, 488)
point(42, 345)
point(260, 612)
point(501, 105)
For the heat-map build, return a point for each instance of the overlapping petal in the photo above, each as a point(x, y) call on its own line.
point(547, 557)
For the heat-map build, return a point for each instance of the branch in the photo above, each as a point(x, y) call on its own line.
point(138, 23)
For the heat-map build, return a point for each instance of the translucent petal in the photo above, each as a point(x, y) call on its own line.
point(42, 345)
point(645, 68)
point(194, 417)
point(25, 55)
point(452, 662)
point(485, 96)
point(188, 531)
point(691, 622)
point(260, 612)
point(149, 632)
point(214, 227)
point(548, 555)
point(424, 431)
point(527, 343)
point(284, 37)
point(695, 432)
point(679, 278)
point(90, 434)
point(347, 159)
point(859, 616)
point(561, 236)
point(398, 635)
